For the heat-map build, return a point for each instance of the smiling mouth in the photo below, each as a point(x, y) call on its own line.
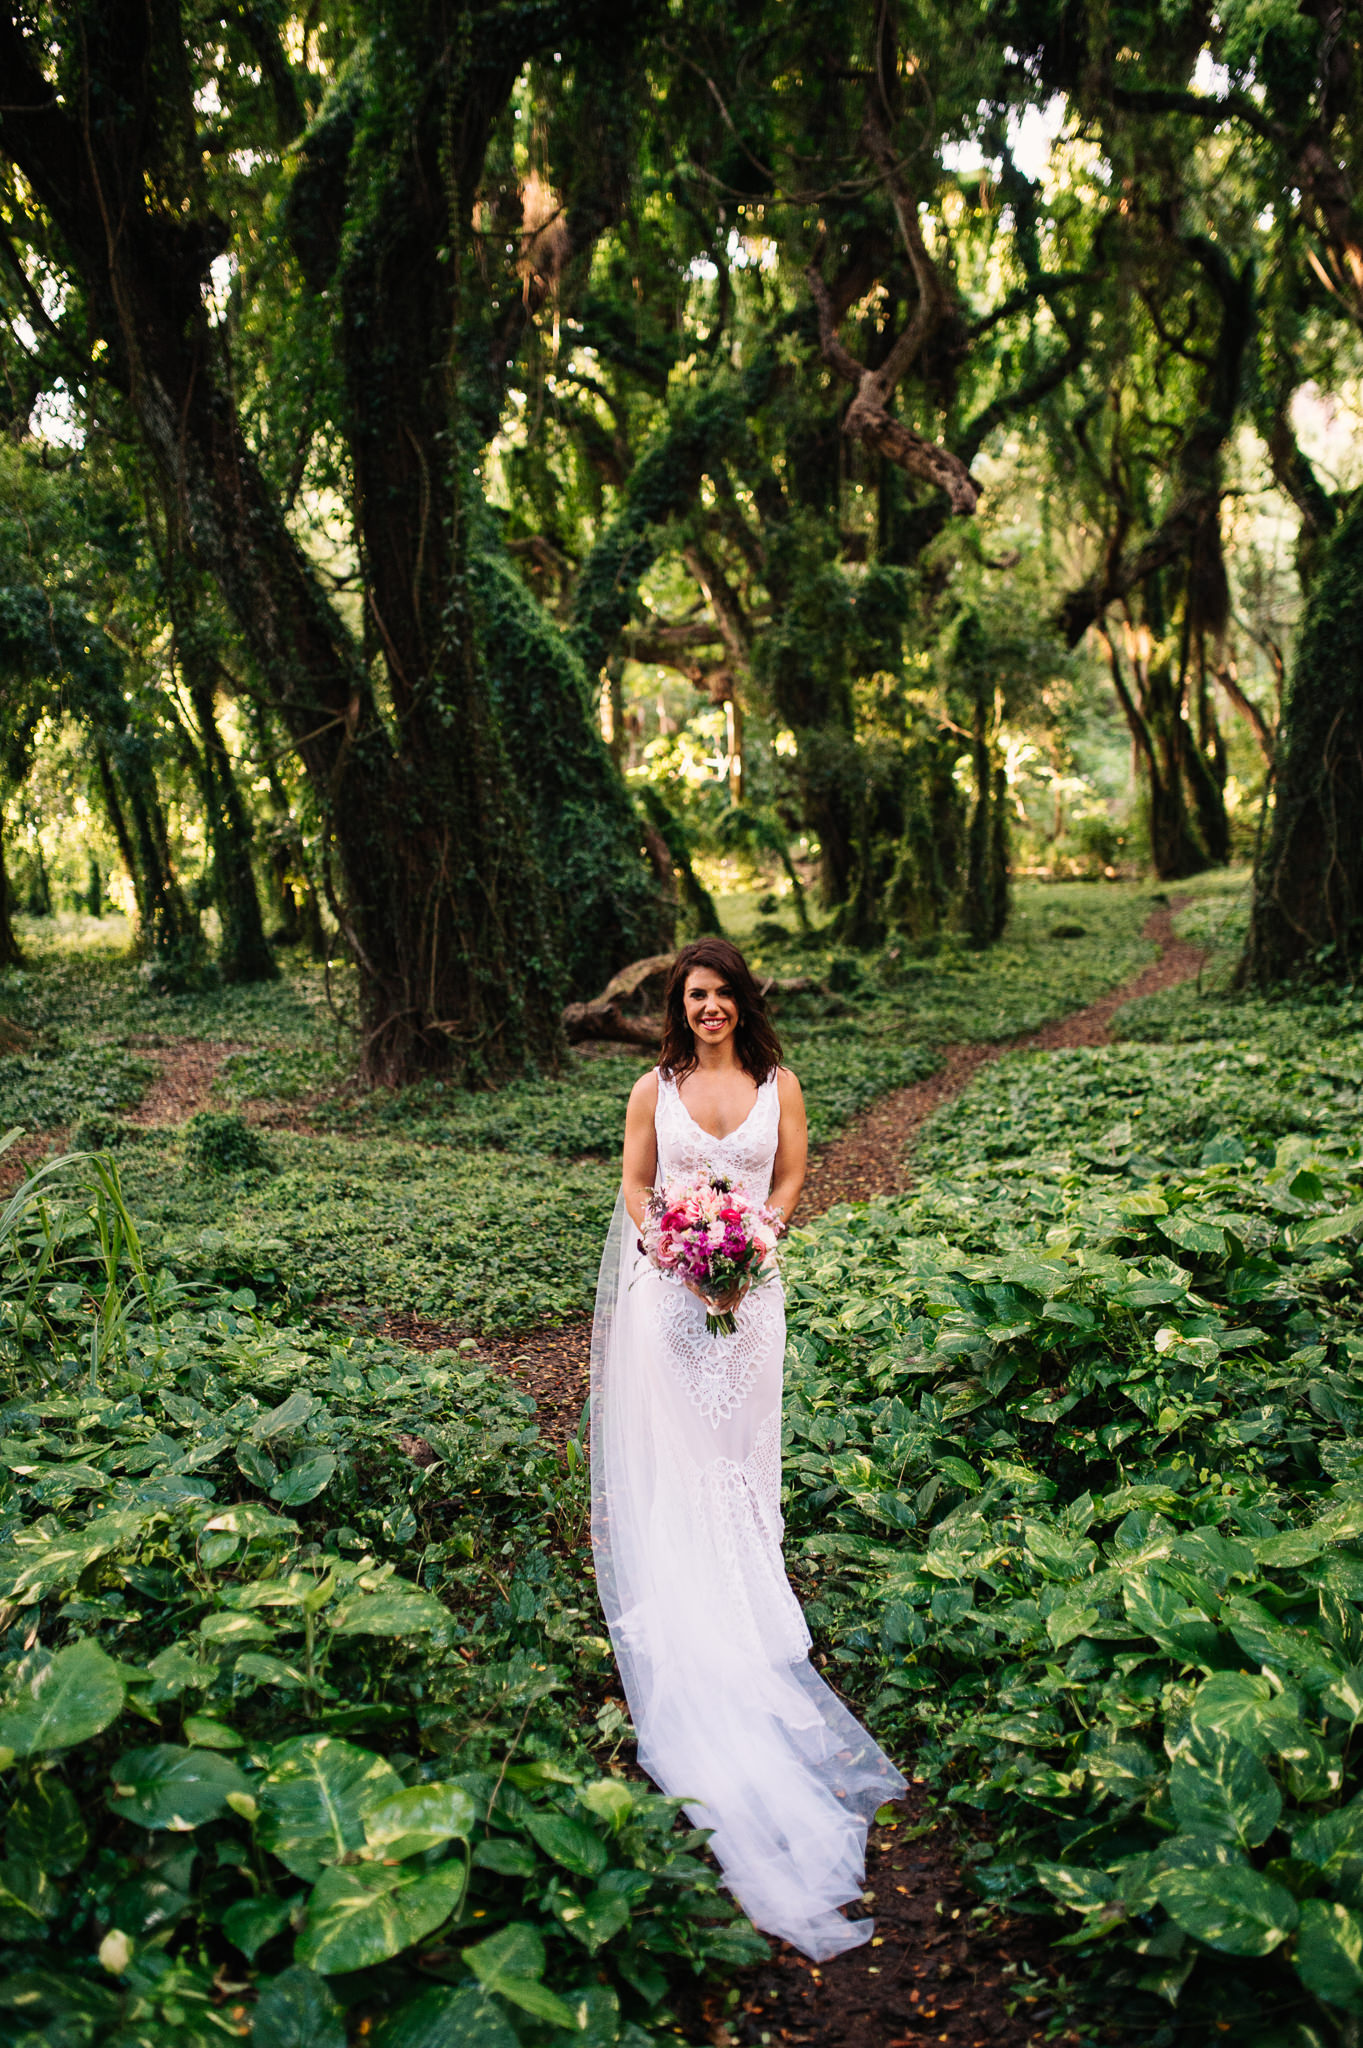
point(713, 1023)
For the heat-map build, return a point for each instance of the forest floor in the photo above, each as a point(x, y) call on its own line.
point(940, 1969)
point(433, 1212)
point(869, 1160)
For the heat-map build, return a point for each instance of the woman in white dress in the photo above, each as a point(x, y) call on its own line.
point(686, 1490)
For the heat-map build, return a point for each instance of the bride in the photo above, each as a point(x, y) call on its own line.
point(686, 1489)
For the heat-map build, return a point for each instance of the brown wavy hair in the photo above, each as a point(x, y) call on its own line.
point(755, 1042)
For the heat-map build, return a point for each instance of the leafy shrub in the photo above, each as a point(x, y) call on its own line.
point(95, 1081)
point(1072, 1449)
point(218, 1143)
point(239, 1745)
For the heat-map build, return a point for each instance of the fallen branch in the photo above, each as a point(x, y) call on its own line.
point(603, 1019)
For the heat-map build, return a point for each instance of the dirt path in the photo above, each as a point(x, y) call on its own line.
point(184, 1084)
point(866, 1161)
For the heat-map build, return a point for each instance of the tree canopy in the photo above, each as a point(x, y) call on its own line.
point(399, 395)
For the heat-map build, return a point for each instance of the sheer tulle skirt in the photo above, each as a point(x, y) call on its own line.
point(711, 1643)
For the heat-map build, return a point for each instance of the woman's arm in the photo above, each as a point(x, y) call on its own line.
point(640, 1166)
point(792, 1146)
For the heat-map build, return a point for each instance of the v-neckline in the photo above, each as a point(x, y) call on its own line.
point(714, 1138)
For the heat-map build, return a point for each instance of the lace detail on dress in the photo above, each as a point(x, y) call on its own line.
point(738, 1505)
point(718, 1372)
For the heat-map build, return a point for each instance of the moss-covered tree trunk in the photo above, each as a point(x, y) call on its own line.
point(11, 954)
point(433, 868)
point(1307, 915)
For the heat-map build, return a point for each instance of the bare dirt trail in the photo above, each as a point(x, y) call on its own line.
point(184, 1083)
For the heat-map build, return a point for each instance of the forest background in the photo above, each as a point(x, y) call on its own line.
point(487, 493)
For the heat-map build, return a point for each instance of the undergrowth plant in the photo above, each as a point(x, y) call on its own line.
point(1072, 1456)
point(299, 1688)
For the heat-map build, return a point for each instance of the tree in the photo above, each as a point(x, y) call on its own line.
point(1307, 915)
point(442, 891)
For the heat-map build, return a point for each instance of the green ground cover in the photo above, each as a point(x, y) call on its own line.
point(1073, 1487)
point(489, 1209)
point(1073, 1455)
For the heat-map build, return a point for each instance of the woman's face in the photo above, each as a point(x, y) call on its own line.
point(711, 1010)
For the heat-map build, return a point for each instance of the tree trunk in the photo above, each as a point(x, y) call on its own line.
point(167, 925)
point(11, 954)
point(441, 892)
point(244, 954)
point(1307, 915)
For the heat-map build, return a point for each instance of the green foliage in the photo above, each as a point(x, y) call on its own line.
point(218, 1143)
point(303, 1710)
point(1071, 1447)
point(44, 1091)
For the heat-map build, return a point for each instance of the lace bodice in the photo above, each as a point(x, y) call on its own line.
point(745, 1157)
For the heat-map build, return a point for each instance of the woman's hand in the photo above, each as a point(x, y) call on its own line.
point(719, 1304)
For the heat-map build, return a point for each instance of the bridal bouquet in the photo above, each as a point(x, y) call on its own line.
point(710, 1233)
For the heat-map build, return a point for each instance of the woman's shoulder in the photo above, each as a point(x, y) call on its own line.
point(645, 1090)
point(787, 1087)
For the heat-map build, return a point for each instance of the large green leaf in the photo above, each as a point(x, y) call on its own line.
point(419, 1819)
point(1230, 1907)
point(304, 1481)
point(1330, 1953)
point(314, 1799)
point(1222, 1789)
point(592, 1920)
point(72, 1699)
point(511, 1963)
point(1176, 1626)
point(179, 1789)
point(297, 2010)
point(570, 1842)
point(440, 2018)
point(45, 1823)
point(250, 1923)
point(1244, 1708)
point(397, 1611)
point(356, 1918)
point(28, 1898)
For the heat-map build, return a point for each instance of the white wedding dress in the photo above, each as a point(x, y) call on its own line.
point(686, 1527)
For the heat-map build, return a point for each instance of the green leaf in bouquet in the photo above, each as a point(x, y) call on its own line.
point(421, 1818)
point(250, 1923)
point(570, 1842)
point(45, 1824)
point(359, 1917)
point(511, 1963)
point(314, 1800)
point(169, 1787)
point(441, 2018)
point(1222, 1789)
point(70, 1699)
point(1330, 1954)
point(296, 2010)
point(1231, 1907)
